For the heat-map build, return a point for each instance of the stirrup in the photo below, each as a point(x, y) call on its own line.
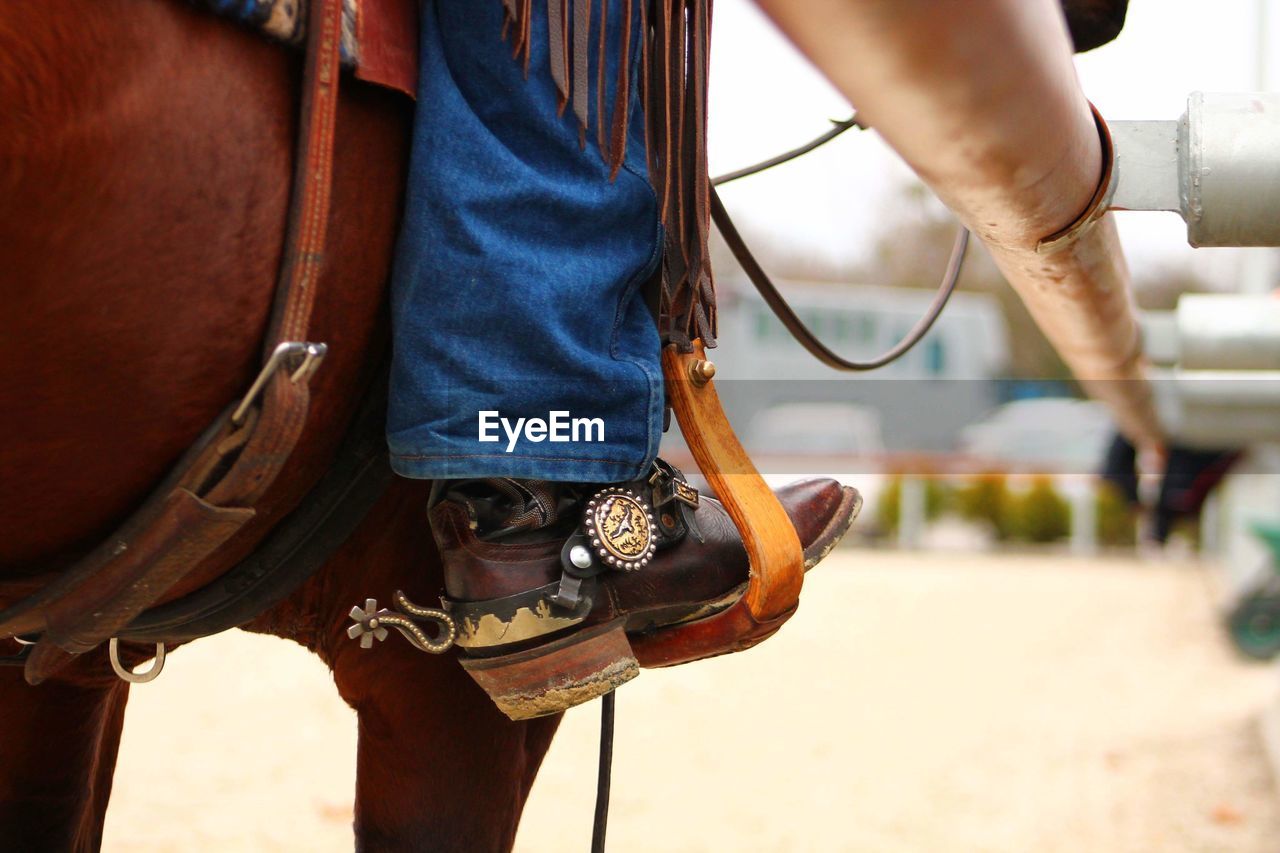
point(777, 558)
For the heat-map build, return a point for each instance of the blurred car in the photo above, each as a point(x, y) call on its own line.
point(844, 441)
point(823, 429)
point(1050, 434)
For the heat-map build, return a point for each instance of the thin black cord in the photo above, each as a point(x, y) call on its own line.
point(603, 779)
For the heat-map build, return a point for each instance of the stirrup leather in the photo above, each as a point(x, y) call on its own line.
point(773, 547)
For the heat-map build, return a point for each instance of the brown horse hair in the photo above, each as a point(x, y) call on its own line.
point(145, 163)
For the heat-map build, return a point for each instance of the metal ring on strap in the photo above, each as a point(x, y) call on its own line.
point(126, 674)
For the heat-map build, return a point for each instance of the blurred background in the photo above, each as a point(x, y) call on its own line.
point(979, 437)
point(1010, 653)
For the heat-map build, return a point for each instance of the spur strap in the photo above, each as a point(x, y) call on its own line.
point(211, 494)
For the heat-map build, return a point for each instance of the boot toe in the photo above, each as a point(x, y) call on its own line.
point(822, 510)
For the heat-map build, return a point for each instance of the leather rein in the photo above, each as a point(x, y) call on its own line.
point(777, 302)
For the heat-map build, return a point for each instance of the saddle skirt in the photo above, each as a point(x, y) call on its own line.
point(379, 37)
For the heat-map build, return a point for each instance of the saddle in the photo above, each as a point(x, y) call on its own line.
point(223, 482)
point(379, 37)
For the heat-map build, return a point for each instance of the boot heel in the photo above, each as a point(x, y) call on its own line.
point(551, 678)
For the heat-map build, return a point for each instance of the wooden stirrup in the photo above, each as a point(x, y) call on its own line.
point(777, 559)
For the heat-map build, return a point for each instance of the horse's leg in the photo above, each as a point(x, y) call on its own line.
point(439, 768)
point(57, 755)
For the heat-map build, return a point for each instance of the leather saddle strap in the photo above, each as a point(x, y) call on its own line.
point(313, 177)
point(211, 496)
point(286, 400)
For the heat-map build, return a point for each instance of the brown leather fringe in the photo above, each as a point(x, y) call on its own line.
point(581, 59)
point(674, 64)
point(558, 41)
point(621, 98)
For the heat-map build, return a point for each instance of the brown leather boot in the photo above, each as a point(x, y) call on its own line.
point(546, 580)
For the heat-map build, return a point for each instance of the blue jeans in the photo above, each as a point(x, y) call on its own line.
point(516, 283)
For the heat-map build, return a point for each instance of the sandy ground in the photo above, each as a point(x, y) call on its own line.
point(916, 703)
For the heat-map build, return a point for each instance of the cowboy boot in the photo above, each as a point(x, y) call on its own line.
point(545, 581)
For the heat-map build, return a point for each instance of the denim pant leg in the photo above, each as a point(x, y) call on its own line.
point(516, 283)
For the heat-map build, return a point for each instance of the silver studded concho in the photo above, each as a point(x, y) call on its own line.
point(619, 525)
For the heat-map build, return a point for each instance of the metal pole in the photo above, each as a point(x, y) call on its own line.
point(1084, 516)
point(982, 100)
point(911, 512)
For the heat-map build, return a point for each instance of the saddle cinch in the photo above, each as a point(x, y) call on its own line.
point(127, 587)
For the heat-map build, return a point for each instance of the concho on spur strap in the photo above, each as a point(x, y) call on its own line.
point(617, 531)
point(620, 524)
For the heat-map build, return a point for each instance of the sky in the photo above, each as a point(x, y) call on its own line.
point(766, 98)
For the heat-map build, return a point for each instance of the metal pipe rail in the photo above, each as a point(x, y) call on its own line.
point(1218, 166)
point(1221, 387)
point(981, 99)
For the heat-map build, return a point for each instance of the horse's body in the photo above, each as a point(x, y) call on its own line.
point(146, 155)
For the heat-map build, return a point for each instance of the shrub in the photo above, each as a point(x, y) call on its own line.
point(1040, 514)
point(985, 499)
point(1117, 521)
point(936, 499)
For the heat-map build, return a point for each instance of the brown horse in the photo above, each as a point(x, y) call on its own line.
point(146, 155)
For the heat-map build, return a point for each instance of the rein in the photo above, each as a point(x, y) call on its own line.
point(777, 302)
